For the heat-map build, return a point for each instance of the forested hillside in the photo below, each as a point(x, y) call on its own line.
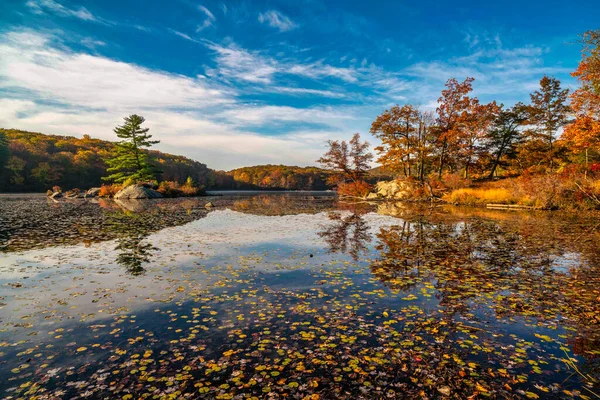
point(276, 177)
point(35, 162)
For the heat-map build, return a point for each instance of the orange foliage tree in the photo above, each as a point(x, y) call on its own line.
point(406, 139)
point(583, 133)
point(348, 162)
point(452, 107)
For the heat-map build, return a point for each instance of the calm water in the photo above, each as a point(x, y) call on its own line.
point(295, 295)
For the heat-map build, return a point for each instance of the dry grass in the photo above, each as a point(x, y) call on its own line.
point(480, 196)
point(566, 191)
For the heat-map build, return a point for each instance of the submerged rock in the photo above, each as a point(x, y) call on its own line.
point(137, 192)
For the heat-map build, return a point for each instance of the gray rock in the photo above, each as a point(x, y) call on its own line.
point(137, 192)
point(93, 192)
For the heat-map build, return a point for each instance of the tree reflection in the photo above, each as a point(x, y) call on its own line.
point(347, 234)
point(515, 269)
point(132, 229)
point(134, 253)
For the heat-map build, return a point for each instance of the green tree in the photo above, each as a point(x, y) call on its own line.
point(130, 161)
point(505, 133)
point(548, 113)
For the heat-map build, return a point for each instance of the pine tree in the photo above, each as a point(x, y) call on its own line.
point(548, 113)
point(131, 161)
point(505, 133)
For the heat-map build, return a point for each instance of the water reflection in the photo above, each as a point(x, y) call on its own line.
point(422, 304)
point(500, 271)
point(133, 252)
point(346, 234)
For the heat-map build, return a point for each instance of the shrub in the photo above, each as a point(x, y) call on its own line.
point(354, 189)
point(56, 189)
point(49, 193)
point(109, 190)
point(175, 189)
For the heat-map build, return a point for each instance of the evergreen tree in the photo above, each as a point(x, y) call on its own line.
point(548, 113)
point(505, 133)
point(130, 161)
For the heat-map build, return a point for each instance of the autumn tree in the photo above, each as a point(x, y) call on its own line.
point(548, 113)
point(348, 161)
point(452, 107)
point(405, 139)
point(472, 129)
point(504, 133)
point(130, 160)
point(583, 133)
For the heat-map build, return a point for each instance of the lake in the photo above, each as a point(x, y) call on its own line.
point(295, 295)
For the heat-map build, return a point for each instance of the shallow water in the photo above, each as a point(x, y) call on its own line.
point(295, 295)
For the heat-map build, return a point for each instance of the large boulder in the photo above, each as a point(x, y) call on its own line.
point(396, 189)
point(137, 192)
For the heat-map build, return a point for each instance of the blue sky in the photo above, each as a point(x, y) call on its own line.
point(234, 83)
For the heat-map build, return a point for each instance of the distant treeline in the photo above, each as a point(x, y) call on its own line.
point(275, 177)
point(35, 162)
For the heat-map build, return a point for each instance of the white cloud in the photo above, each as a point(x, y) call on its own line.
point(238, 63)
point(208, 21)
point(51, 6)
point(277, 20)
point(29, 62)
point(244, 65)
point(258, 115)
point(303, 91)
point(92, 43)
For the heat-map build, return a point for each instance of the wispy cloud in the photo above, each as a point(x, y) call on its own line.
point(277, 20)
point(236, 62)
point(53, 7)
point(208, 20)
point(304, 91)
